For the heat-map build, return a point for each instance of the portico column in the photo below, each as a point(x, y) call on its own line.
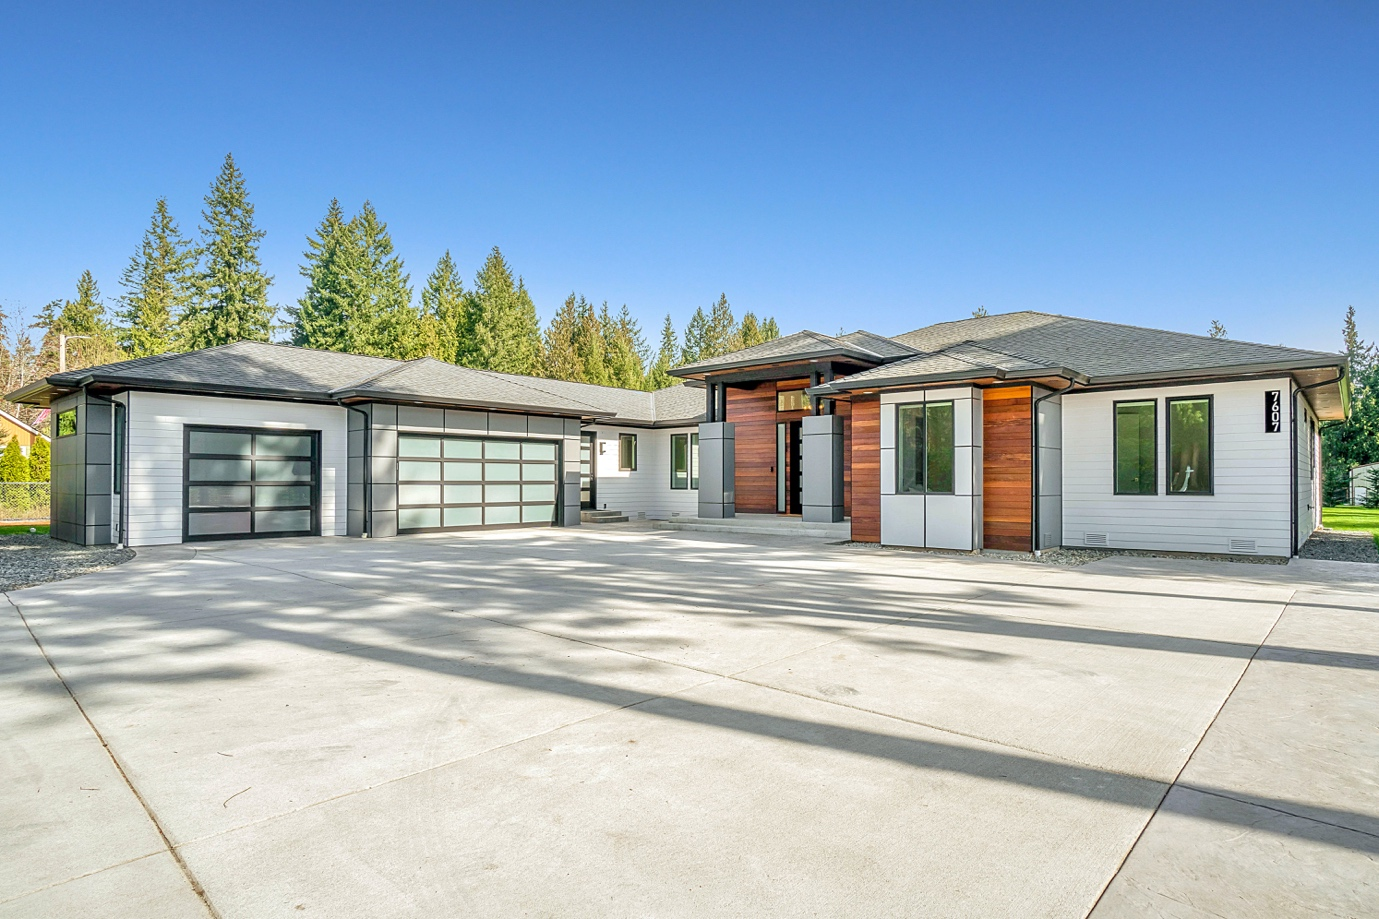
point(821, 468)
point(717, 470)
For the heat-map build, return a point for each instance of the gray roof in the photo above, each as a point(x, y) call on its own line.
point(1030, 344)
point(263, 368)
point(805, 345)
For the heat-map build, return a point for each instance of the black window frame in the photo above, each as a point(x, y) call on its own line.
point(901, 488)
point(187, 483)
point(1211, 446)
point(484, 460)
point(1115, 448)
point(691, 467)
point(622, 439)
point(118, 435)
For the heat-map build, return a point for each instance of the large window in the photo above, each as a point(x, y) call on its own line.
point(627, 452)
point(792, 400)
point(450, 482)
point(924, 443)
point(1137, 448)
point(243, 482)
point(1189, 445)
point(684, 461)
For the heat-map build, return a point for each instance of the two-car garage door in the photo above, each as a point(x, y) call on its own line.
point(453, 482)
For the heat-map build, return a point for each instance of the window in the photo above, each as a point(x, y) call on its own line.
point(793, 400)
point(67, 422)
point(244, 482)
point(117, 464)
point(925, 445)
point(684, 461)
point(1189, 445)
point(627, 452)
point(1137, 448)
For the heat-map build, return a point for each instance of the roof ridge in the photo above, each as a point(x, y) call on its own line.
point(396, 365)
point(498, 374)
point(1017, 356)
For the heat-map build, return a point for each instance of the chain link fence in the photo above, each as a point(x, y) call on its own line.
point(24, 502)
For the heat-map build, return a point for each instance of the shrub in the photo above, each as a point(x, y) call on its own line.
point(40, 460)
point(14, 465)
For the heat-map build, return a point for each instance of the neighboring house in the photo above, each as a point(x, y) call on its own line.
point(1359, 483)
point(1145, 439)
point(11, 428)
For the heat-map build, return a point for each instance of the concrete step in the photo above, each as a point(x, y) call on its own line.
point(758, 525)
point(602, 517)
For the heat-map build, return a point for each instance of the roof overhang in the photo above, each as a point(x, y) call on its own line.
point(977, 375)
point(854, 356)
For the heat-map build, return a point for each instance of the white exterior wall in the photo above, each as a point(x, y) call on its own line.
point(1309, 470)
point(1050, 469)
point(155, 422)
point(935, 521)
point(645, 492)
point(1359, 482)
point(1251, 476)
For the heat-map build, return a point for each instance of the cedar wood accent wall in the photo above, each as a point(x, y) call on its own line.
point(753, 414)
point(866, 468)
point(1007, 468)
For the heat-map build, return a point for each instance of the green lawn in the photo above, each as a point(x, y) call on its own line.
point(9, 530)
point(1352, 518)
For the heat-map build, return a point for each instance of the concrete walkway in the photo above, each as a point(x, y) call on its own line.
point(637, 723)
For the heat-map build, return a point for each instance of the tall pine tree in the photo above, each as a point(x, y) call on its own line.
point(158, 284)
point(1355, 441)
point(563, 360)
point(659, 376)
point(231, 288)
point(321, 317)
point(85, 316)
point(382, 320)
point(504, 333)
point(443, 311)
point(624, 349)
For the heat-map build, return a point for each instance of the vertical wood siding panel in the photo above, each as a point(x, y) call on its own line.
point(865, 417)
point(1007, 468)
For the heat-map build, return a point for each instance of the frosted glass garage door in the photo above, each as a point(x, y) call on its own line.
point(447, 483)
point(249, 482)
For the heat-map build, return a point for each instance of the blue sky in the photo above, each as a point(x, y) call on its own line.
point(854, 165)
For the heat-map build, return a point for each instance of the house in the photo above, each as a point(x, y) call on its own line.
point(1016, 432)
point(1359, 482)
point(12, 428)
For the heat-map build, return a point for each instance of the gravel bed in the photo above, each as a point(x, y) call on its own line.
point(31, 558)
point(1341, 546)
point(1074, 558)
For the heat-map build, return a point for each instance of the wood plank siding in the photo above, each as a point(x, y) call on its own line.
point(1007, 468)
point(866, 468)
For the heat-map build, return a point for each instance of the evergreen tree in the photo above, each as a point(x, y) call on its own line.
point(624, 349)
point(503, 331)
point(591, 345)
point(1217, 330)
point(83, 316)
point(443, 312)
point(230, 286)
point(710, 335)
point(321, 317)
point(769, 330)
point(157, 284)
point(563, 360)
point(14, 465)
point(696, 342)
point(40, 460)
point(749, 331)
point(381, 320)
point(659, 376)
point(1355, 441)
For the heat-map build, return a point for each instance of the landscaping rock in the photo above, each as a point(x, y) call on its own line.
point(1341, 546)
point(30, 558)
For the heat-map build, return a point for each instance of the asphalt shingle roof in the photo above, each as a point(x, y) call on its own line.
point(800, 346)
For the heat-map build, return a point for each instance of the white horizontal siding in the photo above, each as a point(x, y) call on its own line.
point(646, 491)
point(1251, 476)
point(155, 422)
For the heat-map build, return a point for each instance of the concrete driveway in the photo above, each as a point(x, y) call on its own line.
point(631, 723)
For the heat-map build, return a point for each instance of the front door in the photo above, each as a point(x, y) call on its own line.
point(788, 476)
point(587, 473)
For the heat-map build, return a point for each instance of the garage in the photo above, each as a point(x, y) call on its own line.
point(242, 483)
point(451, 483)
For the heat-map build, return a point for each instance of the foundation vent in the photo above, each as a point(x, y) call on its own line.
point(1245, 546)
point(1095, 539)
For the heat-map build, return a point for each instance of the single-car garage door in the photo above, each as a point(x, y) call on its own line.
point(447, 483)
point(246, 482)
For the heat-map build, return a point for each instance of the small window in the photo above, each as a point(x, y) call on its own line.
point(926, 460)
point(684, 461)
point(1137, 448)
point(67, 422)
point(694, 461)
point(627, 452)
point(793, 400)
point(1189, 446)
point(117, 463)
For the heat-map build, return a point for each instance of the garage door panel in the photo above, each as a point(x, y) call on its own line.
point(247, 482)
point(475, 482)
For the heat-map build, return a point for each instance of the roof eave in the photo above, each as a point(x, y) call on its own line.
point(686, 372)
point(365, 395)
point(1255, 369)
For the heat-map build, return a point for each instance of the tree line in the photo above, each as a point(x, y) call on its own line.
point(181, 294)
point(1355, 441)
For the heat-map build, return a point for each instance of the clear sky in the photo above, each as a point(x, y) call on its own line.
point(854, 165)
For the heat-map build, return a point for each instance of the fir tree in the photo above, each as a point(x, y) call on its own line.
point(722, 328)
point(14, 465)
point(563, 360)
point(157, 284)
point(749, 331)
point(624, 349)
point(591, 345)
point(443, 312)
point(40, 460)
point(503, 331)
point(231, 288)
point(769, 330)
point(1354, 441)
point(659, 376)
point(695, 347)
point(321, 317)
point(381, 320)
point(84, 316)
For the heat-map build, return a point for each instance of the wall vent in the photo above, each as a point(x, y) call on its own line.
point(1243, 546)
point(1095, 539)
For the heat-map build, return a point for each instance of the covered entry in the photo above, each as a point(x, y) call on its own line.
point(448, 483)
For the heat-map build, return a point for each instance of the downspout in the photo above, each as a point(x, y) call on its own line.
point(1293, 453)
point(368, 471)
point(1034, 466)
